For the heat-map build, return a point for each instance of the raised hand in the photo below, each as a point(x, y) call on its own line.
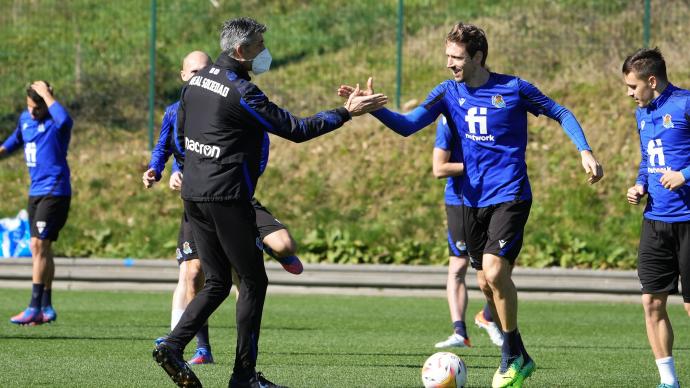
point(358, 104)
point(346, 90)
point(44, 91)
point(592, 167)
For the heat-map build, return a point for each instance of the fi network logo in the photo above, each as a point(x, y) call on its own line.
point(477, 117)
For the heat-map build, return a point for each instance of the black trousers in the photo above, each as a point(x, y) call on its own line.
point(226, 237)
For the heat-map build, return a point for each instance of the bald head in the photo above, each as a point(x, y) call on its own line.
point(193, 62)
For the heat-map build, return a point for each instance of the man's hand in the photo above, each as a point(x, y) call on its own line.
point(592, 167)
point(44, 91)
point(149, 178)
point(176, 181)
point(672, 180)
point(635, 194)
point(346, 90)
point(358, 104)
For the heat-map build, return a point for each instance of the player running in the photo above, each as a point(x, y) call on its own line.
point(663, 124)
point(489, 113)
point(44, 130)
point(447, 162)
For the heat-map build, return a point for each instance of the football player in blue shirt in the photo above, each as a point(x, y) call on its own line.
point(44, 130)
point(447, 162)
point(489, 112)
point(663, 124)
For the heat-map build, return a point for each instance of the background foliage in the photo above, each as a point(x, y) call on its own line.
point(361, 194)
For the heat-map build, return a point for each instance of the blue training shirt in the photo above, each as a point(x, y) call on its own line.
point(45, 150)
point(491, 121)
point(168, 139)
point(447, 140)
point(664, 131)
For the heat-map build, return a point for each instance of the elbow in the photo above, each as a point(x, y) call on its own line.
point(438, 174)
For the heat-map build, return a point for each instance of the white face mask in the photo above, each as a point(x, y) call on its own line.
point(262, 62)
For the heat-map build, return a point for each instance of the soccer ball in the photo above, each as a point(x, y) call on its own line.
point(444, 370)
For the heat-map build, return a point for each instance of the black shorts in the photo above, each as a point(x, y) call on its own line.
point(663, 257)
point(47, 215)
point(186, 248)
point(496, 229)
point(265, 221)
point(456, 235)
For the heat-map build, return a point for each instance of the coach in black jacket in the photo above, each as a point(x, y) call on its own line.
point(221, 124)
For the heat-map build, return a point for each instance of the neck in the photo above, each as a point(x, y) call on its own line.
point(660, 88)
point(479, 78)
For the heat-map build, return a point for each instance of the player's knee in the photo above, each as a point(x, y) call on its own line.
point(281, 243)
point(193, 270)
point(653, 304)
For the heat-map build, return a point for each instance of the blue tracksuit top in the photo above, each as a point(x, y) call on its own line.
point(491, 121)
point(45, 150)
point(664, 131)
point(447, 140)
point(168, 139)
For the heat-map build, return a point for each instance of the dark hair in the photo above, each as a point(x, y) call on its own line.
point(32, 94)
point(646, 62)
point(472, 37)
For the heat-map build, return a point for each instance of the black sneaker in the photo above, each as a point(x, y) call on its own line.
point(170, 359)
point(257, 381)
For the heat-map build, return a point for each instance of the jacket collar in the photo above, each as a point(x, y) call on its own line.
point(658, 101)
point(224, 61)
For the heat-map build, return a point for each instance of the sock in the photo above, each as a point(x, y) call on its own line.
point(46, 300)
point(202, 338)
point(522, 347)
point(269, 251)
point(510, 349)
point(667, 371)
point(36, 295)
point(487, 313)
point(175, 318)
point(460, 329)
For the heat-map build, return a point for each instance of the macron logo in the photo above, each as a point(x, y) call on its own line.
point(210, 151)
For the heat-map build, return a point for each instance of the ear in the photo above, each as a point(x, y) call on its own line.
point(652, 81)
point(239, 52)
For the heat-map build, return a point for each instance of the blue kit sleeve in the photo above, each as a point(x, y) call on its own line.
point(161, 152)
point(418, 118)
point(538, 103)
point(443, 136)
point(14, 141)
point(60, 116)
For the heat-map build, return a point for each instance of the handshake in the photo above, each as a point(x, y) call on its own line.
point(360, 101)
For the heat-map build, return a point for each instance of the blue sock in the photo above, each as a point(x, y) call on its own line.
point(46, 300)
point(510, 349)
point(487, 313)
point(460, 329)
point(522, 347)
point(202, 338)
point(36, 295)
point(269, 251)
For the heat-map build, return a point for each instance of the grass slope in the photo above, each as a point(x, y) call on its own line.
point(362, 194)
point(104, 339)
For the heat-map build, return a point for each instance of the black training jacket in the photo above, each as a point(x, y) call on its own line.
point(220, 124)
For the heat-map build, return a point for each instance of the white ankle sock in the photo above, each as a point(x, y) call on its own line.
point(667, 371)
point(176, 315)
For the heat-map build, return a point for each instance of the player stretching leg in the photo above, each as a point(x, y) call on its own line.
point(447, 163)
point(44, 130)
point(489, 112)
point(663, 123)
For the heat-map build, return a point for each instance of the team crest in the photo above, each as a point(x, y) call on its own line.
point(41, 128)
point(497, 101)
point(462, 247)
point(668, 122)
point(178, 253)
point(40, 225)
point(186, 248)
point(642, 123)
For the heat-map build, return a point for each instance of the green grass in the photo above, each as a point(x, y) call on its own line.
point(105, 339)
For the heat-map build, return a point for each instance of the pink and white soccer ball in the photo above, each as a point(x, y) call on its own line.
point(444, 370)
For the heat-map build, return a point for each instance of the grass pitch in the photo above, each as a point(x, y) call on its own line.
point(104, 339)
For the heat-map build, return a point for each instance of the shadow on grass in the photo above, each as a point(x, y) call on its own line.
point(73, 337)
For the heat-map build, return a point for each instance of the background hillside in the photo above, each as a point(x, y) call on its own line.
point(361, 194)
